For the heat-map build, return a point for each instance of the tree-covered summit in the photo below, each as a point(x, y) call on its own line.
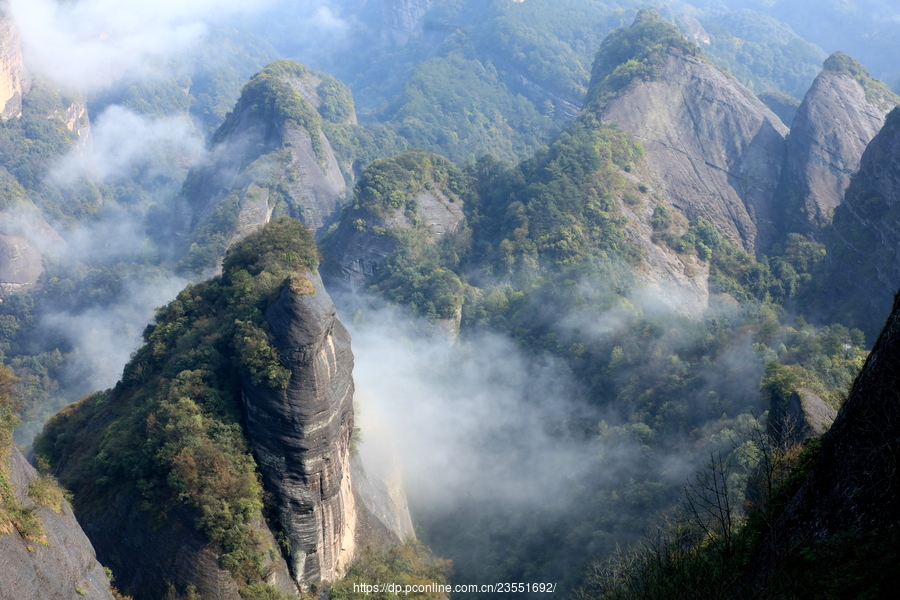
point(635, 52)
point(171, 430)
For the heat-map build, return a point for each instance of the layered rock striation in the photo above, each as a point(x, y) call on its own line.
point(301, 435)
point(843, 110)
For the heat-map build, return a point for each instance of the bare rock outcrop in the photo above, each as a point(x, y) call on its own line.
point(403, 17)
point(301, 435)
point(24, 237)
point(271, 146)
point(14, 79)
point(862, 264)
point(804, 415)
point(325, 505)
point(714, 147)
point(62, 566)
point(678, 282)
point(841, 113)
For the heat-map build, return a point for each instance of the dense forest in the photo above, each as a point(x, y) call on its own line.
point(583, 379)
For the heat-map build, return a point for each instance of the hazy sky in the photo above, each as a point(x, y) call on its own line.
point(89, 44)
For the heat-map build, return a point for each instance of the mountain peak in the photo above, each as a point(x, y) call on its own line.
point(635, 52)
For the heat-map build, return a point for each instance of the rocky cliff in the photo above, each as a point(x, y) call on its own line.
point(804, 415)
point(24, 237)
point(714, 148)
point(403, 17)
point(839, 116)
point(301, 435)
point(270, 157)
point(409, 195)
point(264, 397)
point(862, 269)
point(843, 520)
point(43, 551)
point(14, 79)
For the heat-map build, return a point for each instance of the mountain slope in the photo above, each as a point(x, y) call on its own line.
point(839, 116)
point(43, 551)
point(270, 156)
point(862, 267)
point(715, 149)
point(840, 531)
point(223, 456)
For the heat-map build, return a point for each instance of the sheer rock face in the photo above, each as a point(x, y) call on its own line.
point(301, 439)
point(832, 128)
point(862, 264)
point(403, 17)
point(66, 564)
point(14, 79)
point(715, 148)
point(853, 484)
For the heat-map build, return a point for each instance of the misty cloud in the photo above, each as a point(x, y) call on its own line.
point(87, 45)
point(105, 336)
point(123, 141)
point(479, 419)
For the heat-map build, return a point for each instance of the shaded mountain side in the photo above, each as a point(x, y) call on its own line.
point(839, 535)
point(839, 116)
point(715, 148)
point(862, 267)
point(222, 459)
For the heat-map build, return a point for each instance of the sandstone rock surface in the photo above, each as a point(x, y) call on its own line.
point(836, 121)
point(862, 264)
point(66, 568)
point(14, 79)
point(715, 149)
